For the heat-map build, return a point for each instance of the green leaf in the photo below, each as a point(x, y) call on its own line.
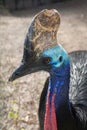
point(13, 115)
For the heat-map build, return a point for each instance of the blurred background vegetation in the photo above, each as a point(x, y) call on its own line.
point(24, 4)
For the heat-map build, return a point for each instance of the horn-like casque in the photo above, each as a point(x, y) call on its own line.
point(42, 33)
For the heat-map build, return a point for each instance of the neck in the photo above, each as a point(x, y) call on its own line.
point(58, 96)
point(59, 84)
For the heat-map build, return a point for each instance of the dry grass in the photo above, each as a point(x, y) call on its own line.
point(19, 100)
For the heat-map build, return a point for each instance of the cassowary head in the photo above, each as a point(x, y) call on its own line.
point(41, 51)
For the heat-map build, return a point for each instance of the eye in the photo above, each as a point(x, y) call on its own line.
point(46, 60)
point(60, 59)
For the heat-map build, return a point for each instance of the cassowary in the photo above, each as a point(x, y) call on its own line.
point(63, 101)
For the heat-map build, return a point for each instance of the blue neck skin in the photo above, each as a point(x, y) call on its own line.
point(59, 77)
point(59, 84)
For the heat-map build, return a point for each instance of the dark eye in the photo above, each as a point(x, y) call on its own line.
point(60, 58)
point(46, 60)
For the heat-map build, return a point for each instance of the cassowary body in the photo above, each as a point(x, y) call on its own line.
point(63, 102)
point(73, 115)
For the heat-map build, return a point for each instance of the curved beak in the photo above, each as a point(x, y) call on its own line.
point(25, 69)
point(19, 72)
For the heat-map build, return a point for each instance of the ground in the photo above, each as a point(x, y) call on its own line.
point(19, 100)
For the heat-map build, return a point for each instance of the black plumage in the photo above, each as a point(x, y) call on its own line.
point(77, 92)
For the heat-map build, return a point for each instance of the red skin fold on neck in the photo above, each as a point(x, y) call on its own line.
point(50, 114)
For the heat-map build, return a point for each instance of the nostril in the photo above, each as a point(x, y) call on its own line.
point(16, 74)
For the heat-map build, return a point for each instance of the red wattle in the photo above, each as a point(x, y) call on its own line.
point(53, 114)
point(47, 125)
point(50, 114)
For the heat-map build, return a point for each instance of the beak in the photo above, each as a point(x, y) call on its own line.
point(22, 70)
point(25, 69)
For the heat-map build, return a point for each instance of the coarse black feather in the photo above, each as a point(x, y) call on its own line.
point(78, 85)
point(77, 92)
point(42, 105)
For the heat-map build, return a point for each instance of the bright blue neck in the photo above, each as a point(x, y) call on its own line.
point(59, 84)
